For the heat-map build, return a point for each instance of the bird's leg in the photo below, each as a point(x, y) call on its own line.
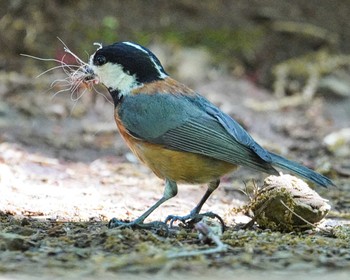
point(194, 215)
point(170, 191)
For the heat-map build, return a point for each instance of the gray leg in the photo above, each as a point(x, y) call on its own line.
point(170, 191)
point(212, 186)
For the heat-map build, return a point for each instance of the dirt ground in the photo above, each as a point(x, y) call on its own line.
point(65, 171)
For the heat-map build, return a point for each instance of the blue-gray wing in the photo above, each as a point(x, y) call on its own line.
point(192, 124)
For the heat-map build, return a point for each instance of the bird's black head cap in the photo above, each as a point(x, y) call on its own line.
point(135, 60)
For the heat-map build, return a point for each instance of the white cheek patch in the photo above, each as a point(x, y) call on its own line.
point(113, 76)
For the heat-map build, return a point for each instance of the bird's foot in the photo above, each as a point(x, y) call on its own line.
point(193, 218)
point(157, 226)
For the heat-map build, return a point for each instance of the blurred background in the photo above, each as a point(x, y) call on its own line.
point(250, 37)
point(280, 68)
point(287, 48)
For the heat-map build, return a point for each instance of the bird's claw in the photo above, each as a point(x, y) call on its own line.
point(193, 218)
point(157, 226)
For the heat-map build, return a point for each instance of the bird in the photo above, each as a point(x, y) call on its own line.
point(179, 134)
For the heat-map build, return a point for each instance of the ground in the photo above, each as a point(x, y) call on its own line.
point(65, 171)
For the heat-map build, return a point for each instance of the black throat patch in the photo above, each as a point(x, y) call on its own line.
point(116, 96)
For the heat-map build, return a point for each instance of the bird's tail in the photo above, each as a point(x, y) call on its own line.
point(300, 170)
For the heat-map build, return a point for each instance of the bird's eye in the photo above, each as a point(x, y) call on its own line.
point(100, 60)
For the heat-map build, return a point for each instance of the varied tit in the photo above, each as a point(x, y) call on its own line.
point(175, 131)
